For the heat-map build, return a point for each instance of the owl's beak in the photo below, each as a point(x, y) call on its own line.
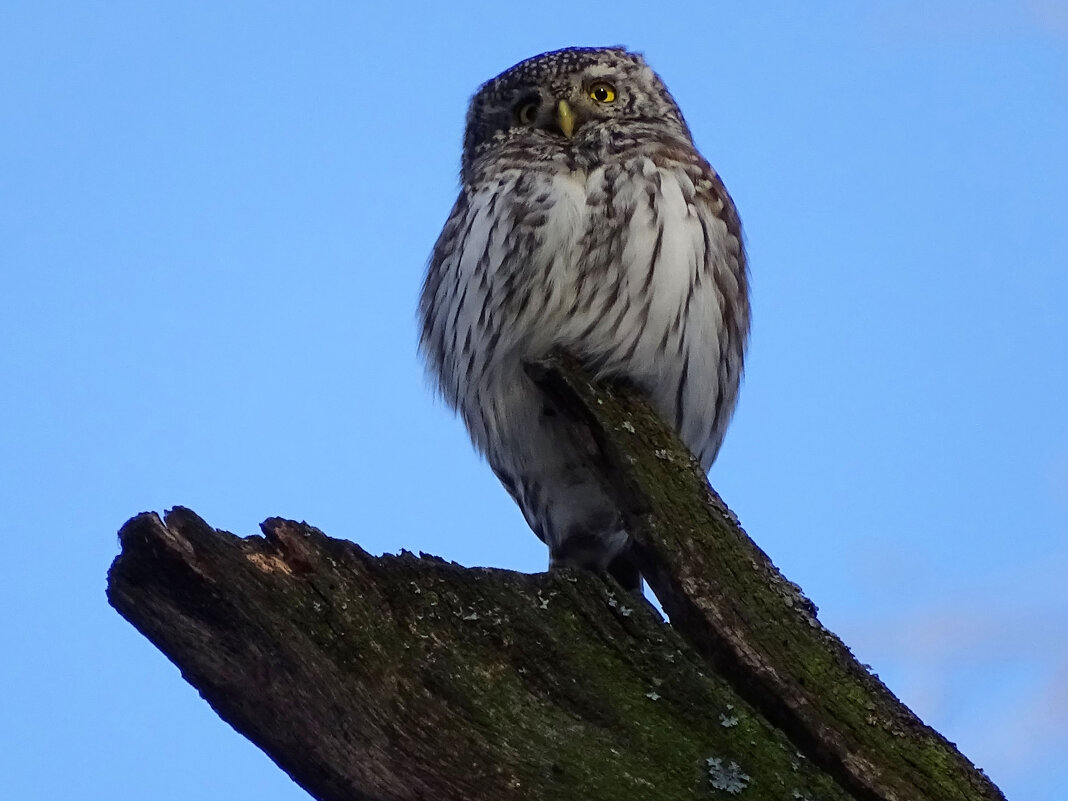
point(565, 118)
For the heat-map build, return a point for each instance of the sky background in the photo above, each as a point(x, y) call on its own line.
point(214, 219)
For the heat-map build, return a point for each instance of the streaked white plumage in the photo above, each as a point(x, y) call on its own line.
point(617, 243)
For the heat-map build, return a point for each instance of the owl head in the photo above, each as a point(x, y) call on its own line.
point(580, 99)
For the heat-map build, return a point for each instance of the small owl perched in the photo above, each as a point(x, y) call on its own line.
point(586, 221)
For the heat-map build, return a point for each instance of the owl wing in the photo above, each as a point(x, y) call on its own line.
point(720, 290)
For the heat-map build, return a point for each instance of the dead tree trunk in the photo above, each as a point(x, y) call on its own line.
point(404, 677)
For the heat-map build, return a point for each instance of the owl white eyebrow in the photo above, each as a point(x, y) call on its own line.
point(600, 70)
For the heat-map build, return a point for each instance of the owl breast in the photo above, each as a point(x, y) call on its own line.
point(636, 268)
point(630, 270)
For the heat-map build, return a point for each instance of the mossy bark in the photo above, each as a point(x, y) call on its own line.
point(404, 677)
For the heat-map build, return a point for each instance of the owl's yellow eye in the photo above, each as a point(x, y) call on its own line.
point(602, 92)
point(526, 113)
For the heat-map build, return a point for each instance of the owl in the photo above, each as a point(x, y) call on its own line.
point(586, 221)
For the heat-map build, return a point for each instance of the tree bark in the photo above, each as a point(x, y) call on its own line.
point(405, 677)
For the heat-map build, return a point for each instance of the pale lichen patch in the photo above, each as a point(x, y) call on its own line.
point(728, 778)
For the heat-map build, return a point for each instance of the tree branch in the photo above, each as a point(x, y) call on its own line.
point(404, 677)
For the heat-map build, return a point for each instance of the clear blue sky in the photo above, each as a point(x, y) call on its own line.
point(214, 219)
